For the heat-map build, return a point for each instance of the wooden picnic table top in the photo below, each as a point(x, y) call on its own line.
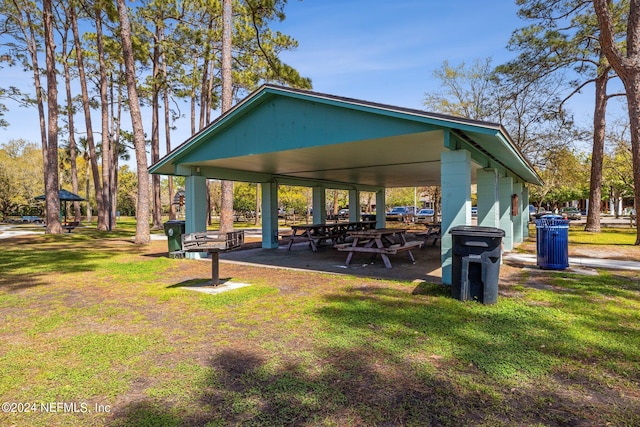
point(330, 225)
point(376, 232)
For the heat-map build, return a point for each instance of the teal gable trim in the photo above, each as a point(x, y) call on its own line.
point(286, 124)
point(278, 119)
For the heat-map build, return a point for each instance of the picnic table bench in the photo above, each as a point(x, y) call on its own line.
point(212, 242)
point(433, 230)
point(378, 242)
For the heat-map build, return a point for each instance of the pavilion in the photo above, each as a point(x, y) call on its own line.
point(279, 135)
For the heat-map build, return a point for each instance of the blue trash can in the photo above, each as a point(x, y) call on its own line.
point(552, 242)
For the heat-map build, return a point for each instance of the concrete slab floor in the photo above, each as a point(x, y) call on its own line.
point(329, 260)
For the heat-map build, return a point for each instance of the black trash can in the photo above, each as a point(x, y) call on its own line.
point(475, 268)
point(552, 242)
point(174, 229)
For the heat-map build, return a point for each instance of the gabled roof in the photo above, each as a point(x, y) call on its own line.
point(279, 132)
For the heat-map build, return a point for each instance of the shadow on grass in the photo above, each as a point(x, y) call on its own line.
point(388, 357)
point(29, 262)
point(197, 283)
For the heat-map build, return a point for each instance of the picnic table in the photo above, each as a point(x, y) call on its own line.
point(381, 241)
point(316, 234)
point(434, 229)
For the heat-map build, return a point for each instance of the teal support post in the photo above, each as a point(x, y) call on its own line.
point(381, 211)
point(269, 215)
point(195, 200)
point(319, 205)
point(506, 190)
point(354, 205)
point(525, 212)
point(455, 180)
point(517, 219)
point(488, 199)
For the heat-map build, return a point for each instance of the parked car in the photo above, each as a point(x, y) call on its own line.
point(343, 213)
point(474, 211)
point(32, 218)
point(570, 213)
point(542, 212)
point(425, 215)
point(401, 213)
point(368, 216)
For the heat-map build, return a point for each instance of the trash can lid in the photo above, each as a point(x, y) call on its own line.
point(548, 221)
point(480, 231)
point(175, 221)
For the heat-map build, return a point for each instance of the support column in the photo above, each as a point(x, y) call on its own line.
point(517, 219)
point(381, 210)
point(269, 215)
point(195, 196)
point(354, 205)
point(525, 212)
point(319, 204)
point(488, 200)
point(505, 188)
point(455, 172)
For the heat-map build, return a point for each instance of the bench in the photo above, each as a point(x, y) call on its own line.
point(348, 244)
point(71, 225)
point(426, 234)
point(433, 230)
point(389, 250)
point(394, 249)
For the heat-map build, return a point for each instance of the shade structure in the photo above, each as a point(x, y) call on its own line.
point(65, 196)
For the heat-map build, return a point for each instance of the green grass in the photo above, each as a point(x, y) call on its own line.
point(608, 236)
point(91, 318)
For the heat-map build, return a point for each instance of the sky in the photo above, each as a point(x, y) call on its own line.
point(377, 51)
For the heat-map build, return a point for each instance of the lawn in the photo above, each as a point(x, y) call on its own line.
point(97, 331)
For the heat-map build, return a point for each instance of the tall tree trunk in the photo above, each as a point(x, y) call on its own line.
point(633, 101)
point(87, 189)
point(167, 134)
point(226, 206)
point(106, 139)
point(92, 156)
point(210, 104)
point(627, 66)
point(204, 99)
point(155, 130)
point(192, 106)
point(73, 151)
point(51, 182)
point(597, 153)
point(116, 121)
point(32, 47)
point(142, 207)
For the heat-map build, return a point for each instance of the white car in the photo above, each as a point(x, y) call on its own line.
point(425, 215)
